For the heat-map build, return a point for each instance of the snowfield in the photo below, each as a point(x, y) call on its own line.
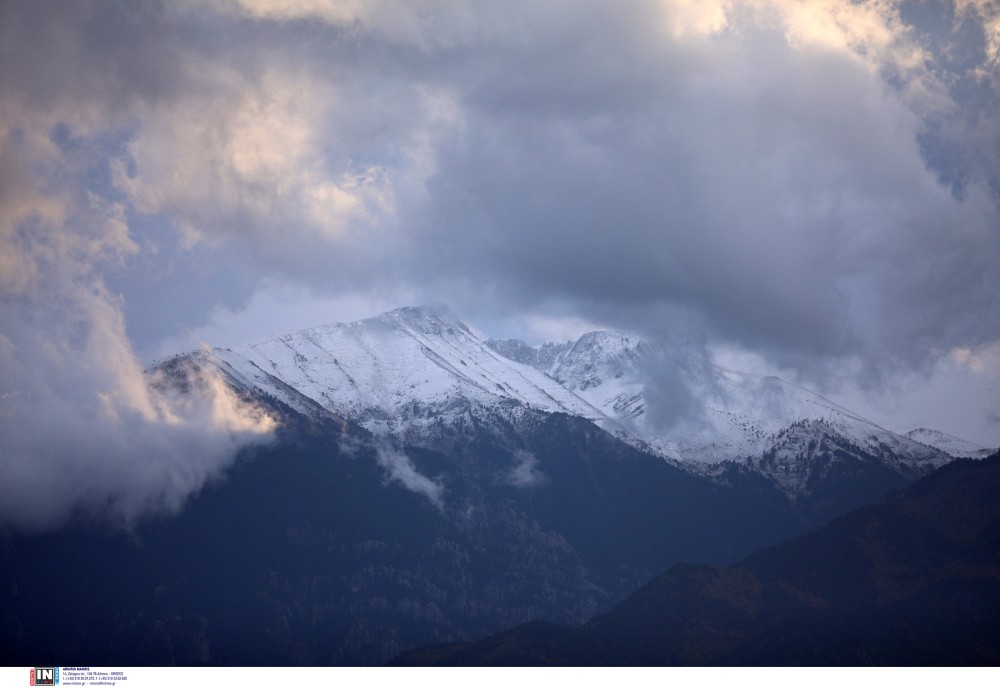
point(409, 373)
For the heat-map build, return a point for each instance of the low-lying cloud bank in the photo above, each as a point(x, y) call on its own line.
point(85, 432)
point(83, 429)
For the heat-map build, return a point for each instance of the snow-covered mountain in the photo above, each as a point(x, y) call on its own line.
point(425, 485)
point(950, 444)
point(700, 414)
point(406, 374)
point(418, 375)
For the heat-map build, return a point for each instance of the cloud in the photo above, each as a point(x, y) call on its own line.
point(83, 430)
point(988, 14)
point(815, 183)
point(422, 23)
point(774, 169)
point(525, 472)
point(300, 172)
point(278, 307)
point(401, 470)
point(678, 385)
point(750, 176)
point(246, 157)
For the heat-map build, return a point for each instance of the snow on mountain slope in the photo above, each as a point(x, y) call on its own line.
point(401, 372)
point(605, 368)
point(694, 412)
point(418, 373)
point(950, 444)
point(748, 411)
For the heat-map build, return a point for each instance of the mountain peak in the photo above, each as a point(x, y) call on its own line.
point(608, 338)
point(950, 444)
point(404, 372)
point(430, 318)
point(595, 349)
point(439, 312)
point(411, 370)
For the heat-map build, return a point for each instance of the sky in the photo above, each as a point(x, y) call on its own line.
point(804, 187)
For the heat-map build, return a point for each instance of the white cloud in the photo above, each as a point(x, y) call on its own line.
point(525, 472)
point(401, 470)
point(696, 17)
point(984, 359)
point(278, 307)
point(247, 158)
point(988, 13)
point(539, 328)
point(422, 23)
point(81, 424)
point(82, 429)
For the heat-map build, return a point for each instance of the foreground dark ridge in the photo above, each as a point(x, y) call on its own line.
point(914, 580)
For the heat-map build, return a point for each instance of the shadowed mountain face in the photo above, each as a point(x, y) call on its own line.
point(419, 374)
point(317, 551)
point(425, 488)
point(912, 581)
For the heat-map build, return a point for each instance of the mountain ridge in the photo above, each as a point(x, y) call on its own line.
point(913, 580)
point(419, 373)
point(421, 487)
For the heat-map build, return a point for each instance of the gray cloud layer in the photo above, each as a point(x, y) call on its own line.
point(816, 182)
point(776, 190)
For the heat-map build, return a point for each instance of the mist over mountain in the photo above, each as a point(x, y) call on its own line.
point(728, 252)
point(950, 444)
point(418, 375)
point(424, 485)
point(383, 371)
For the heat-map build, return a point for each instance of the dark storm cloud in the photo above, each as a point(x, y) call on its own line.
point(91, 56)
point(776, 189)
point(584, 153)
